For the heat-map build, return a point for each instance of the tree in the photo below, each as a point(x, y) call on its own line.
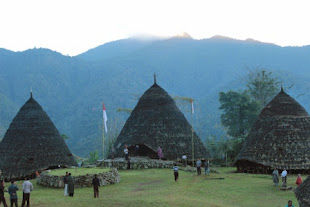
point(239, 112)
point(262, 86)
point(93, 156)
point(241, 109)
point(64, 136)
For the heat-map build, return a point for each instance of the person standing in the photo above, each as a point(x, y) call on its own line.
point(2, 198)
point(207, 167)
point(298, 180)
point(198, 165)
point(13, 195)
point(96, 184)
point(184, 160)
point(160, 153)
point(175, 172)
point(275, 177)
point(128, 163)
point(137, 151)
point(126, 151)
point(284, 175)
point(27, 188)
point(66, 184)
point(70, 185)
point(113, 152)
point(289, 204)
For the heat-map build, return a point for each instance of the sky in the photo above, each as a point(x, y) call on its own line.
point(72, 27)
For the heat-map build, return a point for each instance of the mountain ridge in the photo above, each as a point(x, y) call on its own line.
point(72, 89)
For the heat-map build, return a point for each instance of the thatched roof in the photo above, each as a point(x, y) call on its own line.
point(280, 137)
point(157, 121)
point(32, 143)
point(302, 193)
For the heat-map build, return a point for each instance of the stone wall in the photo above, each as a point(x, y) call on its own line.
point(136, 163)
point(105, 178)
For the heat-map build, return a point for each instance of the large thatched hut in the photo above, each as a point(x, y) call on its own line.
point(279, 138)
point(32, 143)
point(157, 121)
point(302, 193)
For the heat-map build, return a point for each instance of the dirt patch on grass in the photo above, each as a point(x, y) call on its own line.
point(151, 182)
point(140, 185)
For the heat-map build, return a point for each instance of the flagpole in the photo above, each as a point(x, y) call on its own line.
point(192, 134)
point(103, 137)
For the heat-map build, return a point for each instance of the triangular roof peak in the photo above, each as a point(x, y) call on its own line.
point(283, 105)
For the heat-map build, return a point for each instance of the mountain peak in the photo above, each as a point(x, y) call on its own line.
point(184, 35)
point(221, 37)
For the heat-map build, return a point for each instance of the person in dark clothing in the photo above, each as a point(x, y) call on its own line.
point(96, 184)
point(2, 198)
point(128, 163)
point(126, 152)
point(13, 195)
point(176, 172)
point(70, 185)
point(137, 150)
point(198, 164)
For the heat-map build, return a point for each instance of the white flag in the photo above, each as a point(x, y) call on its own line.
point(192, 105)
point(105, 119)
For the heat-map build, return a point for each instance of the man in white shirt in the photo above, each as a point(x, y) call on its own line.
point(184, 158)
point(27, 188)
point(126, 152)
point(284, 175)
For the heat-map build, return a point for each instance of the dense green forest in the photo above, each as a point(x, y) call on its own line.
point(71, 89)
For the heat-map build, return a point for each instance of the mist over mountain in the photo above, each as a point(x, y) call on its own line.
point(71, 89)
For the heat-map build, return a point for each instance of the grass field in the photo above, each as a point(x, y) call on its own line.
point(78, 171)
point(156, 187)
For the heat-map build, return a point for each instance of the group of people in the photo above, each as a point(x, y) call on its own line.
point(275, 178)
point(27, 187)
point(198, 165)
point(137, 152)
point(69, 184)
point(206, 165)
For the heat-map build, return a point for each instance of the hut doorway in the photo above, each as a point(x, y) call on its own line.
point(142, 151)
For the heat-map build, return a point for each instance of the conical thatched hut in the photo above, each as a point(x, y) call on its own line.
point(157, 121)
point(279, 138)
point(302, 193)
point(32, 143)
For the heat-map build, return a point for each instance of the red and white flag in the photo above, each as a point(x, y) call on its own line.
point(105, 118)
point(192, 105)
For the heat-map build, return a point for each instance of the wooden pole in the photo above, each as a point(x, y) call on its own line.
point(226, 159)
point(103, 140)
point(192, 138)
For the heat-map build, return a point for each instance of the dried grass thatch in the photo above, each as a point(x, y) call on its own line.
point(157, 121)
point(279, 138)
point(32, 143)
point(302, 193)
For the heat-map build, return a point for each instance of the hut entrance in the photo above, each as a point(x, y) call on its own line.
point(142, 151)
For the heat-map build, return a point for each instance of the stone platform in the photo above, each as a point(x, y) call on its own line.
point(135, 163)
point(105, 178)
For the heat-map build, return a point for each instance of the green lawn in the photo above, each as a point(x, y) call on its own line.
point(78, 171)
point(156, 187)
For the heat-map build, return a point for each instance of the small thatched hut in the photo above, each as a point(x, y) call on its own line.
point(157, 121)
point(302, 193)
point(32, 143)
point(279, 138)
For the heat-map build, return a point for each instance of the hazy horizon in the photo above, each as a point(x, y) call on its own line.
point(149, 37)
point(73, 27)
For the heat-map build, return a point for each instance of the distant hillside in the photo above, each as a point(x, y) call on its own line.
point(114, 49)
point(72, 89)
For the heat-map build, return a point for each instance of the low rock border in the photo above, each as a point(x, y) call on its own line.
point(105, 178)
point(136, 163)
